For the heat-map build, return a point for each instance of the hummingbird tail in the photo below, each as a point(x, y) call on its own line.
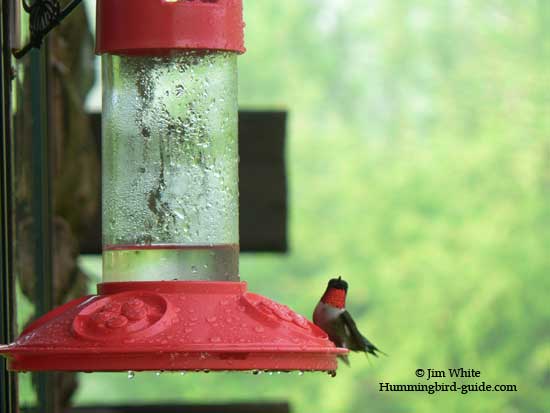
point(372, 349)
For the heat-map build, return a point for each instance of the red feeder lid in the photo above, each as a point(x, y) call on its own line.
point(149, 27)
point(172, 325)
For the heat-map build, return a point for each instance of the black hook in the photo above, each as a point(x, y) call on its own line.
point(44, 16)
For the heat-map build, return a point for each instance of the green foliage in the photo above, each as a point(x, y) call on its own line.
point(419, 170)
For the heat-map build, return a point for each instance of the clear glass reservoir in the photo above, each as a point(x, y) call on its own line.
point(170, 167)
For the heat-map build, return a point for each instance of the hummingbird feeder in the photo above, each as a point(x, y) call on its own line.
point(171, 297)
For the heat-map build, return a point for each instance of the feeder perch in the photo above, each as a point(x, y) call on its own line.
point(171, 296)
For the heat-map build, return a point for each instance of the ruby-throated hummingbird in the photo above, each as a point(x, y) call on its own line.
point(331, 315)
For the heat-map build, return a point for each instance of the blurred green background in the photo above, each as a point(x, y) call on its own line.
point(419, 170)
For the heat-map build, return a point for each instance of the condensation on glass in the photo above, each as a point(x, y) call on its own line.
point(170, 167)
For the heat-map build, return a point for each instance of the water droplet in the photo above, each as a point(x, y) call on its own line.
point(180, 90)
point(256, 372)
point(158, 373)
point(182, 373)
point(300, 373)
point(194, 269)
point(131, 374)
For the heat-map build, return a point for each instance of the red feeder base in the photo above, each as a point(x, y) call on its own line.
point(172, 325)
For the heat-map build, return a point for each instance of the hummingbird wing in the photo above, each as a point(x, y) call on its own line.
point(357, 342)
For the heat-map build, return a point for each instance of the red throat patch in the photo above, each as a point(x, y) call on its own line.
point(335, 297)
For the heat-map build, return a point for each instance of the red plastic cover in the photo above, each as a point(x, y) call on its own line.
point(172, 325)
point(149, 27)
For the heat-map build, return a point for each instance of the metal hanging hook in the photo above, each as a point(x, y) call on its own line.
point(44, 15)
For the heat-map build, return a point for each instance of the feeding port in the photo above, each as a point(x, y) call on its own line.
point(171, 297)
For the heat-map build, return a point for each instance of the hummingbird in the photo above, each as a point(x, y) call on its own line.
point(331, 315)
